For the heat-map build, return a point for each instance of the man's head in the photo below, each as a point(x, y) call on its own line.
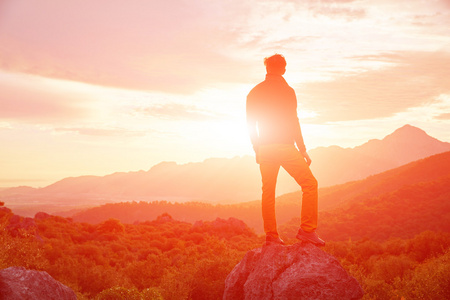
point(275, 64)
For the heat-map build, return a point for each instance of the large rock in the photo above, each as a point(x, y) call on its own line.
point(18, 283)
point(300, 271)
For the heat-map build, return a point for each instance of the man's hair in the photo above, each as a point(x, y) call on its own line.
point(275, 64)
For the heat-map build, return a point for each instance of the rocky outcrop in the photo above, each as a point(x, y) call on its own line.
point(300, 271)
point(17, 283)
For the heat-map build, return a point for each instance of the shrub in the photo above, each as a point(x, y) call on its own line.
point(151, 294)
point(430, 280)
point(390, 267)
point(119, 293)
point(111, 226)
point(428, 244)
point(23, 250)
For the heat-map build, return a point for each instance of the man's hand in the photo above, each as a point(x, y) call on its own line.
point(256, 149)
point(306, 156)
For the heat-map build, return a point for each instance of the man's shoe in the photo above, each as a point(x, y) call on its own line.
point(311, 237)
point(270, 240)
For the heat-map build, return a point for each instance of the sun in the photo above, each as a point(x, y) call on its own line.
point(230, 135)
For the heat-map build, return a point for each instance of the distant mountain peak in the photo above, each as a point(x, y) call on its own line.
point(411, 134)
point(409, 129)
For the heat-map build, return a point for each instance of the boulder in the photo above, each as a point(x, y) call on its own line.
point(18, 283)
point(299, 271)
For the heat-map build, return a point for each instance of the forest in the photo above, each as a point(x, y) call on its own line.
point(170, 259)
point(390, 231)
point(400, 203)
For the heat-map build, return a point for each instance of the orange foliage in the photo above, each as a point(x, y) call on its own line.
point(402, 213)
point(288, 206)
point(416, 268)
point(92, 258)
point(170, 259)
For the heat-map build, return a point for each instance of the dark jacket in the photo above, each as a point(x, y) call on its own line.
point(272, 109)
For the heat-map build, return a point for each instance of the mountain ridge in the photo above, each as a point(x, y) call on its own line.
point(425, 175)
point(230, 180)
point(404, 145)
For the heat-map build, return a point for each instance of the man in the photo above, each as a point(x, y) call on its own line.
point(275, 132)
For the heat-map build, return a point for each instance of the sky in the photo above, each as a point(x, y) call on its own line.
point(97, 87)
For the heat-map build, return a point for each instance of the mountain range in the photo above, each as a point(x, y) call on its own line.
point(222, 180)
point(403, 201)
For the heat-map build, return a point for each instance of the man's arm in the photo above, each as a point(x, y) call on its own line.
point(298, 136)
point(301, 145)
point(306, 156)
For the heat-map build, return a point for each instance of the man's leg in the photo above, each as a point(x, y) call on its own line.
point(269, 173)
point(296, 166)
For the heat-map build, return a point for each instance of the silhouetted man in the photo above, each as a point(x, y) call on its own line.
point(275, 132)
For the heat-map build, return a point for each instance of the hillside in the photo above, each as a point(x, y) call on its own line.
point(428, 176)
point(403, 213)
point(130, 212)
point(168, 259)
point(398, 203)
point(221, 180)
point(423, 170)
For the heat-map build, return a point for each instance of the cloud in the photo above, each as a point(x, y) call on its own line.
point(416, 78)
point(176, 111)
point(337, 11)
point(33, 103)
point(174, 46)
point(5, 126)
point(347, 9)
point(171, 46)
point(444, 116)
point(91, 131)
